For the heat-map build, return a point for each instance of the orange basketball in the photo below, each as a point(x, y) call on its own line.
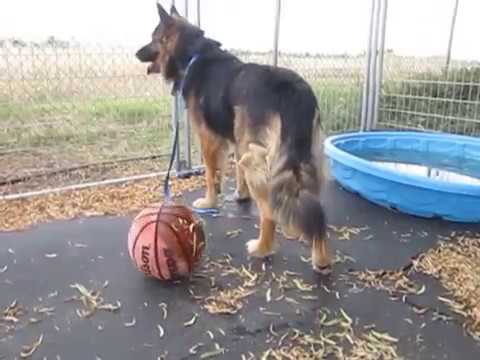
point(165, 241)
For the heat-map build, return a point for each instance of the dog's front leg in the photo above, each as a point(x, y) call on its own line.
point(210, 199)
point(213, 149)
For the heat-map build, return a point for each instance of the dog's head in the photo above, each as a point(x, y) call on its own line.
point(173, 41)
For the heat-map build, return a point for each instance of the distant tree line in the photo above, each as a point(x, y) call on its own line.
point(50, 42)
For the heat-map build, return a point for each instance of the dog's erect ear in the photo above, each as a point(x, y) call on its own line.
point(164, 17)
point(174, 12)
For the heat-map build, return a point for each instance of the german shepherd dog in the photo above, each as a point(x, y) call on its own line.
point(270, 116)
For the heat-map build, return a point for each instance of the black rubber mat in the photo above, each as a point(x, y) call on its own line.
point(42, 263)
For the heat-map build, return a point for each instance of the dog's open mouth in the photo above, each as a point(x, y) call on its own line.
point(153, 68)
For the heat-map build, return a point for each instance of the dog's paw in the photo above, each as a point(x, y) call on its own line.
point(255, 249)
point(321, 267)
point(321, 260)
point(241, 196)
point(322, 270)
point(204, 203)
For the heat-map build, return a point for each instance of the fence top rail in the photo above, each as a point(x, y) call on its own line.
point(433, 81)
point(432, 98)
point(431, 115)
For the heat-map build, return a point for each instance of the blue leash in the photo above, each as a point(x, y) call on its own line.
point(166, 185)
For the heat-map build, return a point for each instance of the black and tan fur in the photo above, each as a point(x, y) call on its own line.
point(270, 115)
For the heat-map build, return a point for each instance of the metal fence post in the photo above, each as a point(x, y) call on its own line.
point(187, 133)
point(373, 66)
point(198, 13)
point(366, 85)
point(450, 39)
point(379, 70)
point(277, 32)
point(174, 118)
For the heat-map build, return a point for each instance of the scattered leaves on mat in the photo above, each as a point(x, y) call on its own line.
point(102, 200)
point(455, 264)
point(334, 336)
point(49, 311)
point(346, 232)
point(92, 301)
point(194, 349)
point(131, 323)
point(192, 321)
point(226, 301)
point(12, 313)
point(28, 350)
point(216, 352)
point(161, 331)
point(233, 233)
point(374, 345)
point(164, 308)
point(390, 281)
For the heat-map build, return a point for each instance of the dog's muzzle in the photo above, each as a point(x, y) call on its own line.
point(153, 68)
point(148, 55)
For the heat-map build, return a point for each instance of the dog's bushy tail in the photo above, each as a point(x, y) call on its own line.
point(297, 174)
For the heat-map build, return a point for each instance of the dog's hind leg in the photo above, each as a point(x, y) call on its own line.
point(320, 256)
point(241, 192)
point(242, 138)
point(254, 165)
point(221, 169)
point(265, 245)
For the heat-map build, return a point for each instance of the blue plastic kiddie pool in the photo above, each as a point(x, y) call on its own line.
point(430, 175)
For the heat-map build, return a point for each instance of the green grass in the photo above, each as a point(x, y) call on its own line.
point(54, 123)
point(122, 127)
point(340, 104)
point(127, 111)
point(28, 124)
point(122, 109)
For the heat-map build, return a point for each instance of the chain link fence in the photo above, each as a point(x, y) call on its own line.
point(430, 92)
point(421, 94)
point(74, 114)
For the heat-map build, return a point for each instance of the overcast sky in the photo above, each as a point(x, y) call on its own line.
point(415, 27)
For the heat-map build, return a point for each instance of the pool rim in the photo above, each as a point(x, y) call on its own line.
point(365, 166)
